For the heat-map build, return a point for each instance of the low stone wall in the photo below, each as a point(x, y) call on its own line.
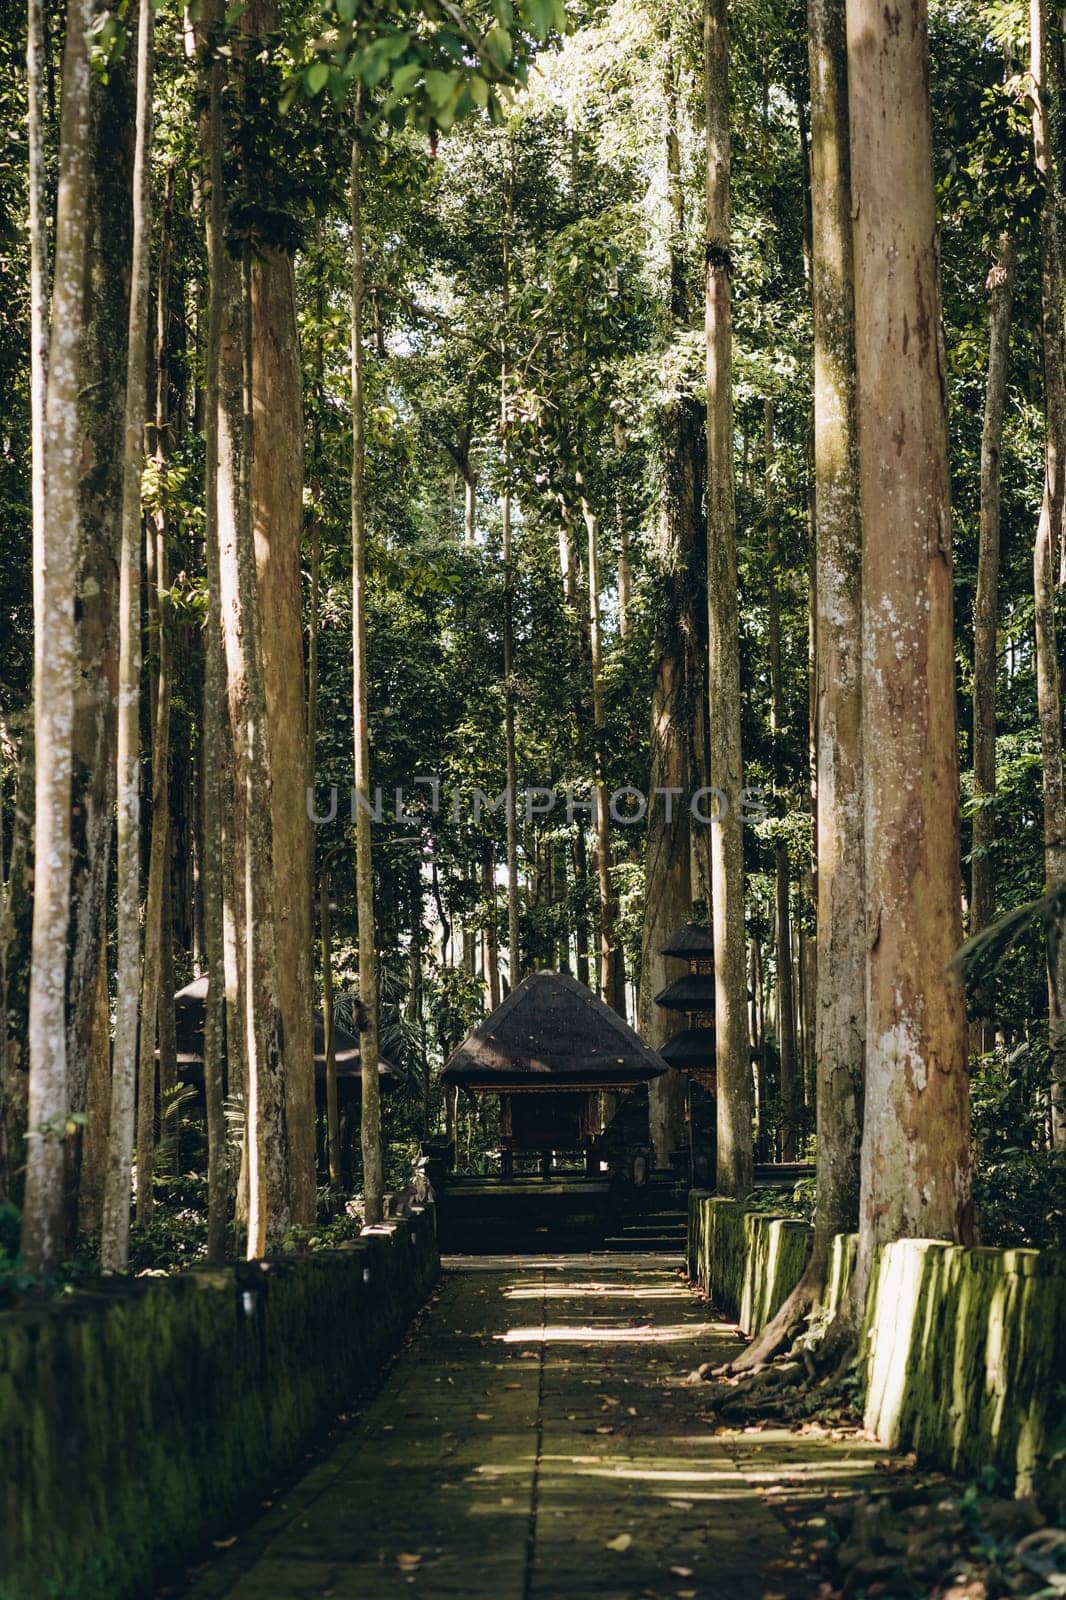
point(966, 1358)
point(963, 1350)
point(747, 1262)
point(141, 1419)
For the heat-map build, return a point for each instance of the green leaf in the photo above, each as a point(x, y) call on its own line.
point(479, 90)
point(316, 77)
point(498, 44)
point(539, 17)
point(439, 86)
point(404, 78)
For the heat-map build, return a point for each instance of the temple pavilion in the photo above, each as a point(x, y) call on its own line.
point(558, 1058)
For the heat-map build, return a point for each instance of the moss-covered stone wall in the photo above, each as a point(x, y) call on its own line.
point(140, 1420)
point(963, 1350)
point(746, 1261)
point(965, 1358)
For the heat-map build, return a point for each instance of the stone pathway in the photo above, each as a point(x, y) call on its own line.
point(537, 1441)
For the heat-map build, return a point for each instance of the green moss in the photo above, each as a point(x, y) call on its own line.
point(962, 1351)
point(140, 1419)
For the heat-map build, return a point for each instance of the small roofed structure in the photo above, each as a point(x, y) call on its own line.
point(692, 992)
point(550, 1052)
point(190, 1005)
point(691, 943)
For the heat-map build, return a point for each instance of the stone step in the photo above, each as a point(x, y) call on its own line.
point(626, 1244)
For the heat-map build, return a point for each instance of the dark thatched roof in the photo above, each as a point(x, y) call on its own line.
point(693, 992)
point(690, 943)
point(692, 1047)
point(552, 1032)
point(190, 1004)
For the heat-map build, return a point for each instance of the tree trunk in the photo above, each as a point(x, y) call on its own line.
point(625, 574)
point(607, 972)
point(786, 1031)
point(277, 490)
point(581, 929)
point(114, 1241)
point(103, 361)
point(16, 917)
point(97, 1102)
point(492, 939)
point(470, 508)
point(514, 948)
point(675, 697)
point(735, 1095)
point(983, 884)
point(840, 1003)
point(333, 1125)
point(373, 1153)
point(915, 1152)
point(1046, 78)
point(158, 582)
point(218, 752)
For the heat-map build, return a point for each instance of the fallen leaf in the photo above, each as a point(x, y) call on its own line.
point(484, 1416)
point(623, 1542)
point(224, 1544)
point(408, 1563)
point(681, 1572)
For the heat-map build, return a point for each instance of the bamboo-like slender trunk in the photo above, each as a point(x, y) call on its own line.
point(1001, 288)
point(333, 1121)
point(492, 941)
point(373, 1154)
point(735, 1091)
point(581, 930)
point(155, 932)
point(606, 967)
point(114, 1241)
point(514, 946)
point(1050, 542)
point(786, 1030)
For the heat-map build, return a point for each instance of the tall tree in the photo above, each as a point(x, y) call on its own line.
point(735, 1091)
point(157, 932)
point(915, 1150)
point(840, 1002)
point(790, 1082)
point(114, 1242)
point(373, 1155)
point(676, 698)
point(1046, 76)
point(985, 654)
point(55, 525)
point(215, 732)
point(101, 409)
point(277, 490)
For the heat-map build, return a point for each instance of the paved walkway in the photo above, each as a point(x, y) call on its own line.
point(537, 1441)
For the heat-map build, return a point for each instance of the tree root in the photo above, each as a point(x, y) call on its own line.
point(801, 1369)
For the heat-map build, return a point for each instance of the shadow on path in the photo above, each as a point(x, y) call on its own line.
point(537, 1441)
